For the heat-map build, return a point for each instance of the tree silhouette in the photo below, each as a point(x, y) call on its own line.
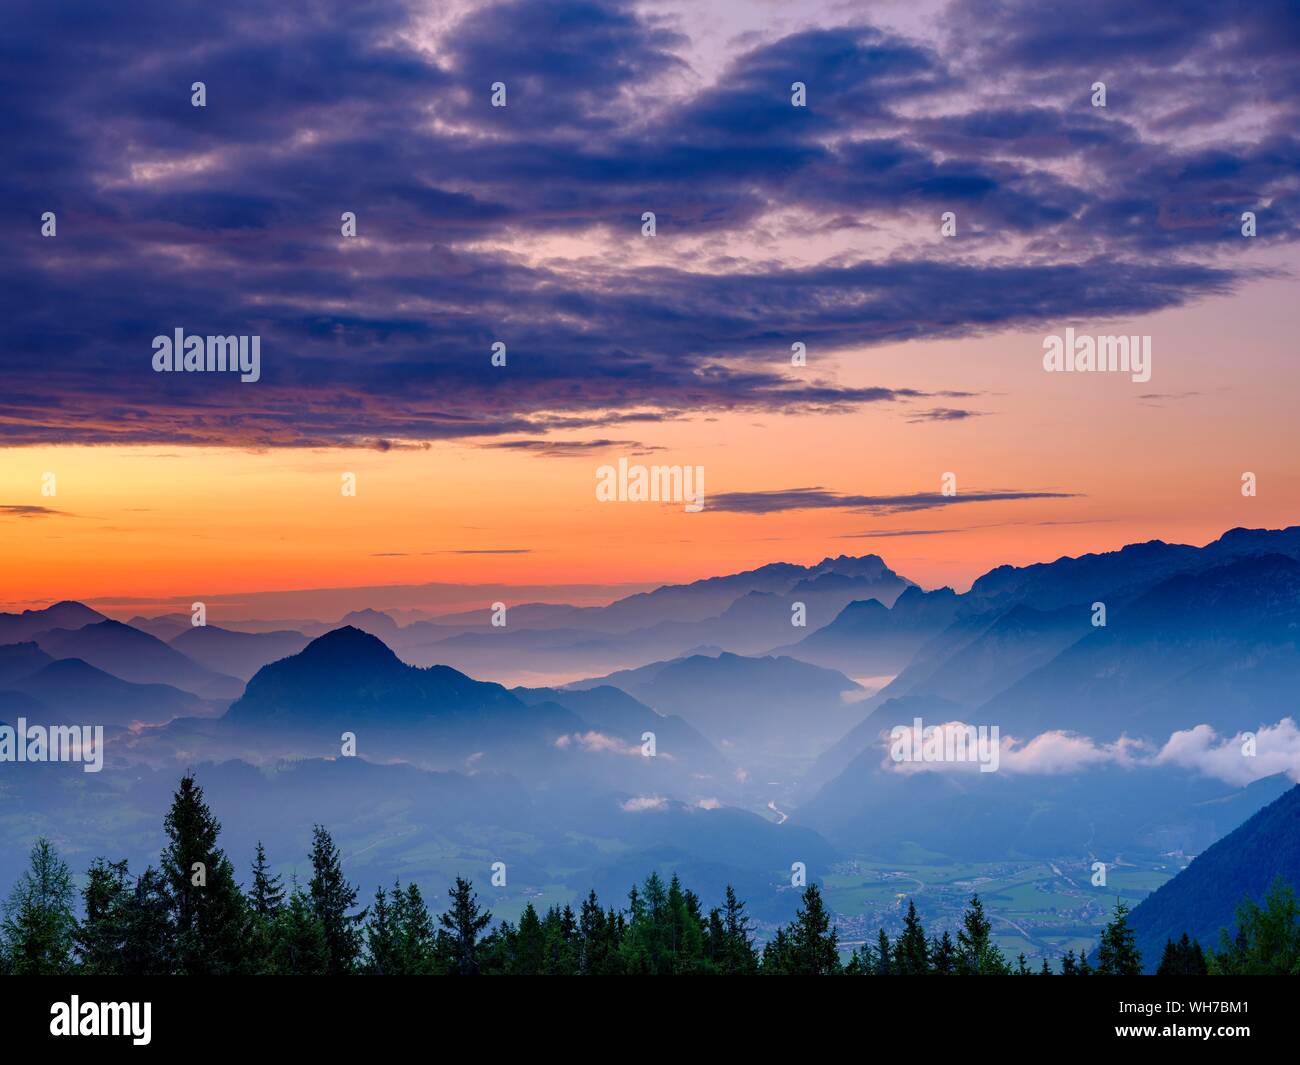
point(38, 927)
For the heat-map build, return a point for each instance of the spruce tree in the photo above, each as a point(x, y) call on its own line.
point(209, 912)
point(1268, 937)
point(1117, 954)
point(814, 944)
point(884, 955)
point(777, 958)
point(381, 939)
point(146, 917)
point(561, 928)
point(265, 901)
point(739, 956)
point(267, 895)
point(1170, 962)
point(594, 938)
point(39, 926)
point(331, 899)
point(977, 955)
point(99, 937)
point(943, 956)
point(415, 934)
point(911, 950)
point(300, 945)
point(1184, 958)
point(529, 945)
point(461, 927)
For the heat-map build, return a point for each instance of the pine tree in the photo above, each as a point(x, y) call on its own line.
point(209, 912)
point(461, 927)
point(267, 895)
point(1268, 937)
point(739, 956)
point(1068, 966)
point(1046, 969)
point(1117, 954)
point(98, 939)
point(1184, 958)
point(265, 901)
point(911, 950)
point(884, 955)
point(777, 958)
point(415, 934)
point(38, 927)
point(300, 945)
point(529, 945)
point(381, 938)
point(943, 956)
point(694, 934)
point(814, 944)
point(715, 940)
point(1022, 966)
point(561, 928)
point(977, 955)
point(598, 949)
point(331, 899)
point(649, 935)
point(146, 918)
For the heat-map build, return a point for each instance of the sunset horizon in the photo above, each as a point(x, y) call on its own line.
point(648, 488)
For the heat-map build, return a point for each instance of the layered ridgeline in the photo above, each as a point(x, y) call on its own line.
point(1191, 636)
point(744, 613)
point(1193, 639)
point(754, 708)
point(135, 656)
point(1204, 898)
point(347, 693)
point(743, 731)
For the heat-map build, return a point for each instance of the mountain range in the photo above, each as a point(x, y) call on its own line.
point(647, 730)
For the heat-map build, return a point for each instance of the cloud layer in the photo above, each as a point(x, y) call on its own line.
point(522, 224)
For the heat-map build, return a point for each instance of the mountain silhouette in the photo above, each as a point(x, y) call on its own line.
point(348, 680)
point(71, 691)
point(65, 614)
point(132, 655)
point(238, 654)
point(1203, 898)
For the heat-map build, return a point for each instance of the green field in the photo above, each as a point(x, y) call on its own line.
point(1042, 908)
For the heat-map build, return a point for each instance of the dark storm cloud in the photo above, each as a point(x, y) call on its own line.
point(225, 219)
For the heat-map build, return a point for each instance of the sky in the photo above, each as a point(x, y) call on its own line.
point(775, 224)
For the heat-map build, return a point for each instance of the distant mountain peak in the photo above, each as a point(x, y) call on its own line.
point(64, 612)
point(369, 614)
point(348, 644)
